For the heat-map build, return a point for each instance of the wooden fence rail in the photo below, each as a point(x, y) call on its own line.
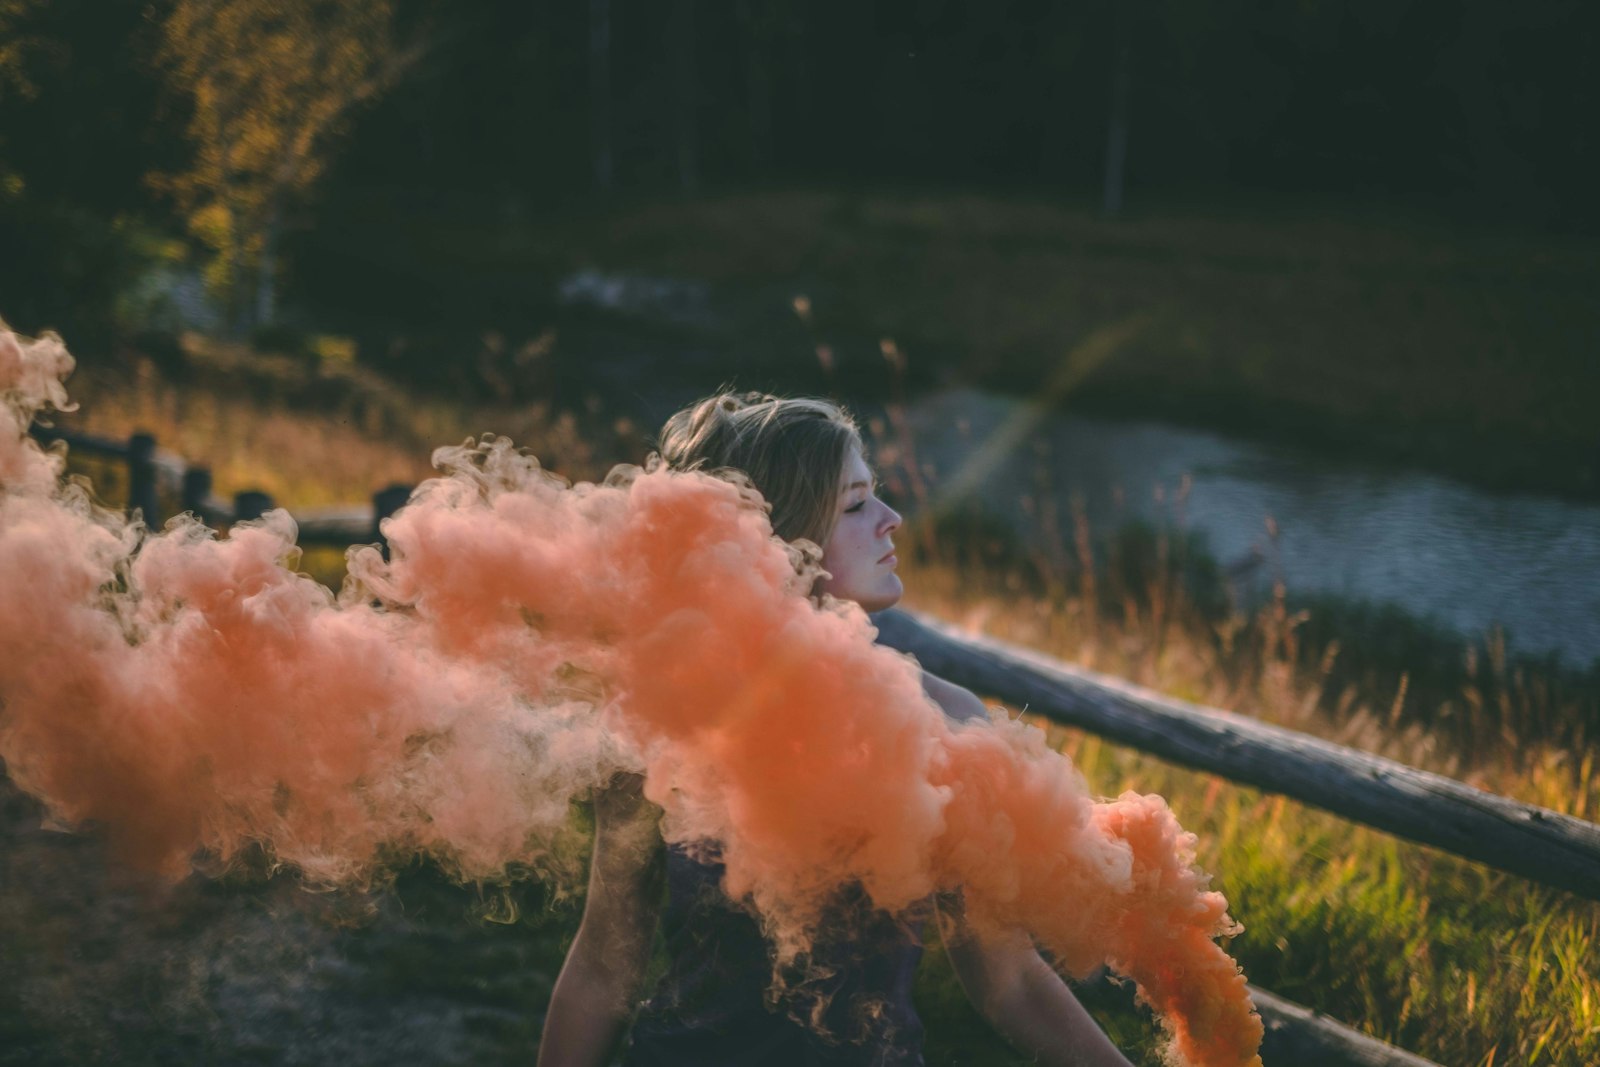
point(151, 472)
point(1522, 839)
point(1533, 842)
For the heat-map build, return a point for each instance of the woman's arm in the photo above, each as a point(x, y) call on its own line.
point(594, 994)
point(1024, 999)
point(1018, 992)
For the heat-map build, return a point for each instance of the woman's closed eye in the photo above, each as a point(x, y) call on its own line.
point(856, 506)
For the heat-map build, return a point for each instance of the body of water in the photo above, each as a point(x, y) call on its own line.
point(1466, 558)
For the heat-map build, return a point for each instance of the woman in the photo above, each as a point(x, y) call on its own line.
point(852, 1004)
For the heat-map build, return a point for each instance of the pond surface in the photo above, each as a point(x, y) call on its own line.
point(1468, 559)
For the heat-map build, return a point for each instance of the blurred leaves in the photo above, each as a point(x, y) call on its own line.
point(272, 85)
point(18, 46)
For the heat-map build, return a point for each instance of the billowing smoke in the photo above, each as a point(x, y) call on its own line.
point(194, 697)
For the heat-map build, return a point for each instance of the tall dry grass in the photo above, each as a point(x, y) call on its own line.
point(1444, 957)
point(1458, 963)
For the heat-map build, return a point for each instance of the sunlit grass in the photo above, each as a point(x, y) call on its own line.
point(308, 436)
point(1440, 955)
point(1458, 963)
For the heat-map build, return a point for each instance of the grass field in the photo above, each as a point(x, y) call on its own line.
point(1463, 965)
point(1404, 339)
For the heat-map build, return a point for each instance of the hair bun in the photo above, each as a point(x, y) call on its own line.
point(718, 414)
point(791, 450)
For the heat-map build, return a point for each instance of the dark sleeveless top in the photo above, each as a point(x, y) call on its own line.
point(848, 1003)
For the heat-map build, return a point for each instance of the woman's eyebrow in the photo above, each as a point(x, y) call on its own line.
point(860, 485)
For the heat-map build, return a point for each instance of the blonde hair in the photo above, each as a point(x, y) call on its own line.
point(792, 449)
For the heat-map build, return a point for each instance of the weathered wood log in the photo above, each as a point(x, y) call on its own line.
point(168, 467)
point(1297, 1035)
point(196, 490)
point(337, 526)
point(1522, 839)
point(385, 502)
point(250, 504)
point(142, 495)
point(103, 446)
point(198, 499)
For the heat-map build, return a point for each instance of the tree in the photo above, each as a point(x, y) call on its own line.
point(761, 22)
point(600, 92)
point(271, 84)
point(1117, 121)
point(685, 94)
point(78, 136)
point(19, 46)
point(16, 44)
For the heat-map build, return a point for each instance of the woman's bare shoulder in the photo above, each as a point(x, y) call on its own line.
point(958, 702)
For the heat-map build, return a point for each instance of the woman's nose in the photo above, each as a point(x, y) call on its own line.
point(891, 519)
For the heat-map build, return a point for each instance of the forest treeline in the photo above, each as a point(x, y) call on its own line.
point(126, 125)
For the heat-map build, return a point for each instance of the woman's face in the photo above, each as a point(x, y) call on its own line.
point(859, 557)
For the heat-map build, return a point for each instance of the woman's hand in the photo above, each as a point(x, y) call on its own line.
point(959, 704)
point(594, 994)
point(1023, 998)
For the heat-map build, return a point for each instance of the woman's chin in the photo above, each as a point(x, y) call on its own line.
point(884, 597)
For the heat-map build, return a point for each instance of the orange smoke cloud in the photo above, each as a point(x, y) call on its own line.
point(528, 640)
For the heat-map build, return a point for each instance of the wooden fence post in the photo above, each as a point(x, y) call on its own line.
point(142, 478)
point(251, 504)
point(385, 502)
point(197, 491)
